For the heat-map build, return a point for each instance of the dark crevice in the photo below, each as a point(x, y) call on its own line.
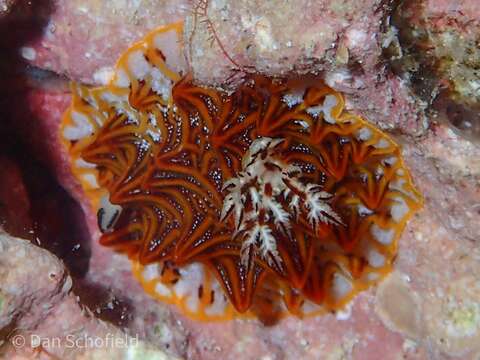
point(32, 203)
point(104, 303)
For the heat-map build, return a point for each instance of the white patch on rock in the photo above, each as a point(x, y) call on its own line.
point(355, 38)
point(263, 35)
point(340, 77)
point(28, 53)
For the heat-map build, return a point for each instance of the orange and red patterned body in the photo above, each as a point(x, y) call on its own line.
point(273, 198)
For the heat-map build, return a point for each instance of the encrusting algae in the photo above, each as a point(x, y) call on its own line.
point(267, 201)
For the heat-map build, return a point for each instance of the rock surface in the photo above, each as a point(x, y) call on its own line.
point(441, 57)
point(224, 40)
point(40, 316)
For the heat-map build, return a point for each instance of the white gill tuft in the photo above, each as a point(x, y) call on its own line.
point(275, 196)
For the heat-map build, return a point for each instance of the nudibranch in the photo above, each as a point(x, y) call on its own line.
point(266, 201)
